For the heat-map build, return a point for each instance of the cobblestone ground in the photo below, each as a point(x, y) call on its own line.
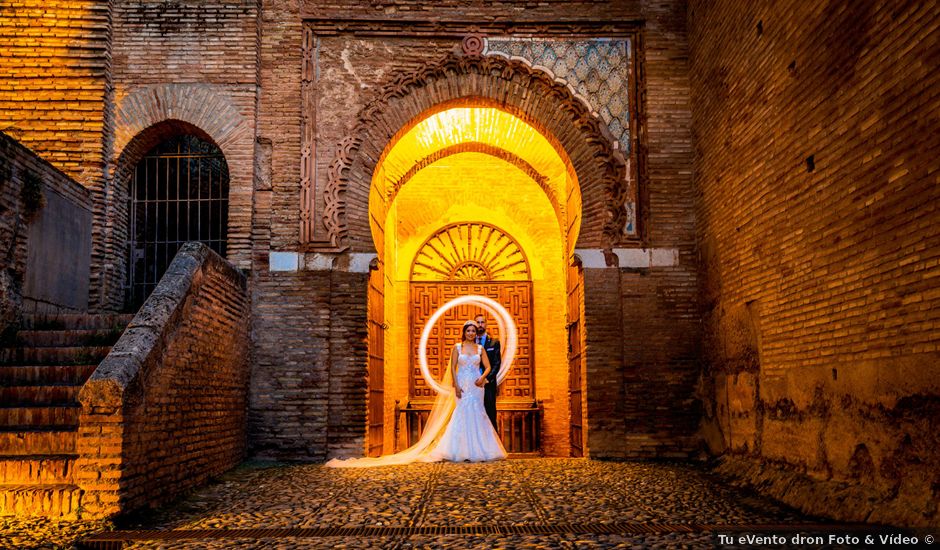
point(46, 533)
point(509, 493)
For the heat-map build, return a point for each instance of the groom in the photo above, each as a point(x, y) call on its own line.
point(492, 348)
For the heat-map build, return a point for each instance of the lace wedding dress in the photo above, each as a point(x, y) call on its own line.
point(457, 429)
point(469, 434)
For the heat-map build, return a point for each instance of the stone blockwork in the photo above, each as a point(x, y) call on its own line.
point(27, 185)
point(816, 167)
point(166, 408)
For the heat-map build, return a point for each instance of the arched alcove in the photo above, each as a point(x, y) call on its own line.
point(179, 192)
point(144, 117)
point(148, 181)
point(480, 168)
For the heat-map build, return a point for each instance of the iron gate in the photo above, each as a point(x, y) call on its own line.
point(179, 194)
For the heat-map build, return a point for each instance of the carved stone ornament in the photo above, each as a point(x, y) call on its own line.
point(473, 44)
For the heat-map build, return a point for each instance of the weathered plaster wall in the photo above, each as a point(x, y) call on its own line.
point(40, 270)
point(816, 170)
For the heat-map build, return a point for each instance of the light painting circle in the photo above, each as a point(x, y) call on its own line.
point(494, 308)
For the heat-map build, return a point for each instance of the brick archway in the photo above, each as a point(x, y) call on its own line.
point(143, 119)
point(197, 105)
point(508, 84)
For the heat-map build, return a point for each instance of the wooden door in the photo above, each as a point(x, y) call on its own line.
point(376, 405)
point(575, 359)
point(427, 297)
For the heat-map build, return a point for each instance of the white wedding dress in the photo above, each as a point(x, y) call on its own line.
point(457, 430)
point(469, 434)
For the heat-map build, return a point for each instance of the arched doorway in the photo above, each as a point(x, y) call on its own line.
point(451, 199)
point(178, 193)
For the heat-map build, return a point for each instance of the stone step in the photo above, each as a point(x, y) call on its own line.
point(66, 338)
point(18, 375)
point(52, 500)
point(76, 321)
point(59, 414)
point(53, 356)
point(30, 441)
point(36, 469)
point(39, 394)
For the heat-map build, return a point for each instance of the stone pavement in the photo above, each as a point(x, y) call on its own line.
point(519, 495)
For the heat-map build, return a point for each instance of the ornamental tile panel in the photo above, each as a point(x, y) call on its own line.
point(597, 69)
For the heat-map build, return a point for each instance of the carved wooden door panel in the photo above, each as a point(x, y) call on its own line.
point(376, 405)
point(427, 297)
point(575, 359)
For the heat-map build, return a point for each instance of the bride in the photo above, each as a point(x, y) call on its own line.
point(468, 434)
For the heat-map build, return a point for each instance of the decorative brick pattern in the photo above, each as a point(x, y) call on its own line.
point(530, 94)
point(816, 142)
point(287, 392)
point(166, 409)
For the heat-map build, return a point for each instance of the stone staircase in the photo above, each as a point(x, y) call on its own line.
point(41, 373)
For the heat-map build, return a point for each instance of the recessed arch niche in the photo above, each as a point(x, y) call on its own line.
point(472, 165)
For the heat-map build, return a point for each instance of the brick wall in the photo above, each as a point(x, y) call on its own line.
point(189, 68)
point(56, 91)
point(649, 352)
point(54, 82)
point(26, 233)
point(816, 161)
point(661, 319)
point(165, 410)
point(308, 382)
point(642, 325)
point(518, 10)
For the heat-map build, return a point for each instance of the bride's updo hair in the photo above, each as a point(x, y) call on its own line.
point(463, 331)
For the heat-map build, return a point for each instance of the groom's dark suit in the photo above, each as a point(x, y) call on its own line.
point(493, 351)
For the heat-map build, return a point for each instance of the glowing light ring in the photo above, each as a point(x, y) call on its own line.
point(507, 329)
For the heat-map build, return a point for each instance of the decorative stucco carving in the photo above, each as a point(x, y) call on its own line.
point(534, 95)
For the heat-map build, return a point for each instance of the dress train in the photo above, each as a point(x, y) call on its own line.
point(457, 429)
